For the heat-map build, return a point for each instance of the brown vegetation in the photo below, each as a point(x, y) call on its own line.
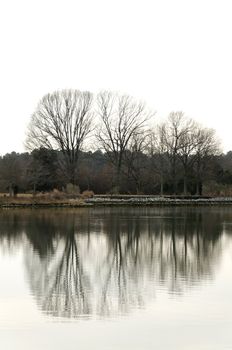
point(54, 197)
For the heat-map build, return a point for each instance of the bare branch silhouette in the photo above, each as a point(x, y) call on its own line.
point(62, 121)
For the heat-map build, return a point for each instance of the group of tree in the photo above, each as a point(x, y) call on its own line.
point(106, 144)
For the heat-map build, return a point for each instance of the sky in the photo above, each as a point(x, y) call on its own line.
point(173, 54)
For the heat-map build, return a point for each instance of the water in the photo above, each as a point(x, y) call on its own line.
point(116, 278)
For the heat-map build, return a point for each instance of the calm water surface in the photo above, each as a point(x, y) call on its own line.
point(116, 278)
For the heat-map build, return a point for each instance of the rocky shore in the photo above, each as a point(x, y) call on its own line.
point(159, 200)
point(116, 200)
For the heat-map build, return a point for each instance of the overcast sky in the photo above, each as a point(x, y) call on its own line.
point(174, 54)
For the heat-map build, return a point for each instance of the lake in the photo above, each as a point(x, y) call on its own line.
point(116, 278)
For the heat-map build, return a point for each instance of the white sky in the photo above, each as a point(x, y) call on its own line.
point(174, 54)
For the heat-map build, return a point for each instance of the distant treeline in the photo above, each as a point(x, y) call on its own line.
point(108, 144)
point(40, 170)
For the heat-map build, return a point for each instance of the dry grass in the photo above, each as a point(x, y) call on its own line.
point(87, 194)
point(54, 198)
point(21, 195)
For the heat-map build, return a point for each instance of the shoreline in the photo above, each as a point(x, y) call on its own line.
point(111, 201)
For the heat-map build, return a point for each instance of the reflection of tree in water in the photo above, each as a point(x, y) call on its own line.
point(59, 280)
point(10, 231)
point(109, 261)
point(189, 249)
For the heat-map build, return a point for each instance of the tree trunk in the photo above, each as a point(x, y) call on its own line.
point(72, 173)
point(34, 189)
point(118, 176)
point(11, 192)
point(174, 181)
point(185, 184)
point(197, 188)
point(161, 186)
point(174, 175)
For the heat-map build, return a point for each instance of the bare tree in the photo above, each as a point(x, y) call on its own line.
point(121, 118)
point(157, 151)
point(62, 121)
point(136, 162)
point(208, 146)
point(189, 141)
point(174, 131)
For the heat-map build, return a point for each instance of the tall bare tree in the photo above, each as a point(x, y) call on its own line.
point(62, 121)
point(174, 130)
point(189, 142)
point(208, 146)
point(121, 118)
point(157, 150)
point(136, 162)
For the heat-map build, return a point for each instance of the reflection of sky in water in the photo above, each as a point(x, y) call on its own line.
point(148, 277)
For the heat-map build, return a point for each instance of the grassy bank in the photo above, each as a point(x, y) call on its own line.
point(44, 200)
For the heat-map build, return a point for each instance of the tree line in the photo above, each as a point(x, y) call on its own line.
point(106, 143)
